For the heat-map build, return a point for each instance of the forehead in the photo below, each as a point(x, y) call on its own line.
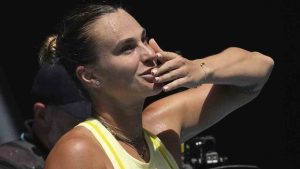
point(115, 26)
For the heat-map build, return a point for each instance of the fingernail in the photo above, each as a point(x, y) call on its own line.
point(158, 55)
point(156, 79)
point(154, 71)
point(165, 88)
point(154, 40)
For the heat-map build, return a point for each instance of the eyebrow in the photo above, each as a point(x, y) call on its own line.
point(128, 40)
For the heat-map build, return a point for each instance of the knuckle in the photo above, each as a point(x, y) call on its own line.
point(171, 66)
point(181, 60)
point(171, 76)
point(184, 70)
point(165, 77)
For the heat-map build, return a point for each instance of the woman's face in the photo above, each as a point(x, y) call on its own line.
point(125, 58)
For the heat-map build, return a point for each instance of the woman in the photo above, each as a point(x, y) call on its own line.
point(108, 53)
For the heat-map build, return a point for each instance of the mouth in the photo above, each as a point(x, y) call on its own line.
point(148, 77)
point(148, 71)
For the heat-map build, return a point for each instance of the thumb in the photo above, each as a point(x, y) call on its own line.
point(154, 45)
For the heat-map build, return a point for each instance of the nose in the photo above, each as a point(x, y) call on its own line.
point(148, 56)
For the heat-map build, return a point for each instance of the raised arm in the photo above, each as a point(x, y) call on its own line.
point(229, 79)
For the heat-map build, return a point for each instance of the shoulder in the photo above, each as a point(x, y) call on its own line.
point(76, 149)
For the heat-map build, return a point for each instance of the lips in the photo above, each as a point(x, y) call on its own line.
point(148, 71)
point(147, 75)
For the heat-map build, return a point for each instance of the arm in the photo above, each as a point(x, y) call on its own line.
point(233, 78)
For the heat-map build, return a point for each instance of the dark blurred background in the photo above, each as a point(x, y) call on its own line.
point(265, 132)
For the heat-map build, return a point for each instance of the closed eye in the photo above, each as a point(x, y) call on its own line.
point(128, 45)
point(127, 48)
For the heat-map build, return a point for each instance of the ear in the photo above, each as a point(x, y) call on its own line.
point(39, 110)
point(86, 76)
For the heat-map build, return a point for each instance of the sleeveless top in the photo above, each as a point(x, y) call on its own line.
point(160, 158)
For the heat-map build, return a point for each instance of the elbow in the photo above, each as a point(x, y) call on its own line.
point(264, 66)
point(267, 61)
point(256, 66)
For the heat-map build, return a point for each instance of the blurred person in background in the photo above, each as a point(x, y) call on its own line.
point(57, 108)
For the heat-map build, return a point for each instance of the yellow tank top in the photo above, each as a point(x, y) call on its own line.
point(160, 158)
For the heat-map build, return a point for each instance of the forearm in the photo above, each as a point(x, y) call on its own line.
point(238, 67)
point(233, 78)
point(243, 74)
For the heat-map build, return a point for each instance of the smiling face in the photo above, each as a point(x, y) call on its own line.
point(124, 57)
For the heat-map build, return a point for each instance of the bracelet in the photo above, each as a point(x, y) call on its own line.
point(202, 64)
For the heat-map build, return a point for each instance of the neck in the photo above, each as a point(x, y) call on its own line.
point(126, 117)
point(39, 137)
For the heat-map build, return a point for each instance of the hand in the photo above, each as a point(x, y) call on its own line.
point(176, 71)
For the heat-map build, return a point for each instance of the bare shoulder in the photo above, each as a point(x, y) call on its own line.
point(77, 149)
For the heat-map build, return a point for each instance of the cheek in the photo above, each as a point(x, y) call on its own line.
point(54, 134)
point(121, 68)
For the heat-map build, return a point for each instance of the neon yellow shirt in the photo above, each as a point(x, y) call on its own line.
point(160, 158)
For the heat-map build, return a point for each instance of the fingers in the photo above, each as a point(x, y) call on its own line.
point(166, 67)
point(164, 56)
point(172, 75)
point(154, 45)
point(174, 84)
point(175, 62)
point(170, 68)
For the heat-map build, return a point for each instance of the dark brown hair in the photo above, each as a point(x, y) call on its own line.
point(72, 46)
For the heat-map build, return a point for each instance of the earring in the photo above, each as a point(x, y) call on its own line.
point(98, 83)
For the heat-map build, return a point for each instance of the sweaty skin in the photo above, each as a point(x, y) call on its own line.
point(231, 82)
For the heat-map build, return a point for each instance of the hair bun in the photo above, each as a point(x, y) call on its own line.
point(48, 52)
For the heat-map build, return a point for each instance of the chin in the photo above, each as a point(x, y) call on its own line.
point(156, 89)
point(150, 88)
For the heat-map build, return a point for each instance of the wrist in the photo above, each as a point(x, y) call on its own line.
point(206, 70)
